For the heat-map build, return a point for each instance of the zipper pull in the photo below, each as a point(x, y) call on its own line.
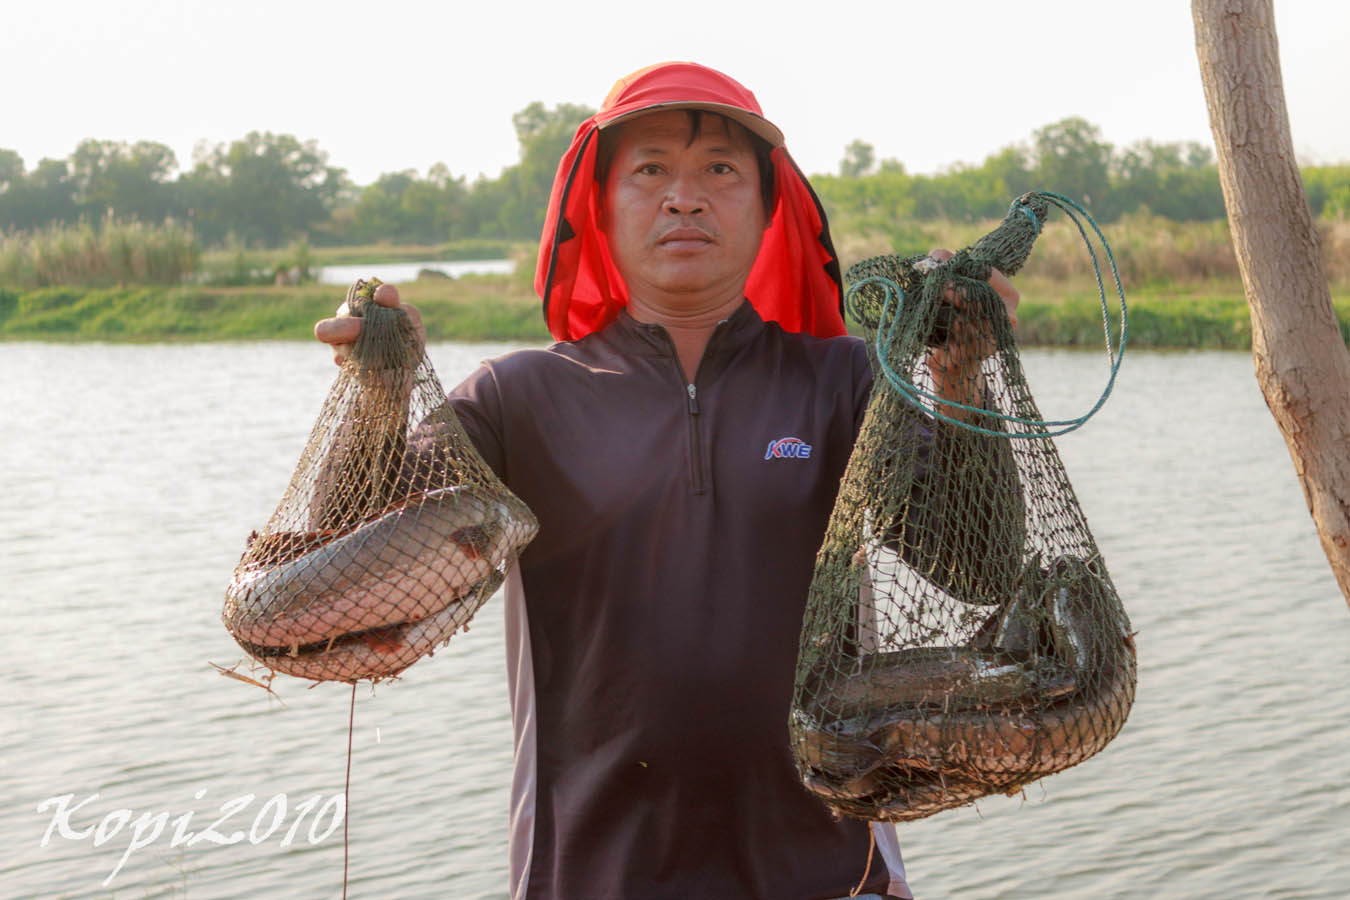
point(693, 400)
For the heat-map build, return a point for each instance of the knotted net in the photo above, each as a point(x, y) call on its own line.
point(962, 635)
point(392, 532)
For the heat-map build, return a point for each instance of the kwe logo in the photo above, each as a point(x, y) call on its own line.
point(788, 448)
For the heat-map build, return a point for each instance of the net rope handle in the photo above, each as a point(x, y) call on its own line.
point(1040, 427)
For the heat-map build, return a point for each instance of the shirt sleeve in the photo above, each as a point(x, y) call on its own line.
point(478, 405)
point(862, 385)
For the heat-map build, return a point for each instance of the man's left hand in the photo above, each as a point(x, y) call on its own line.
point(955, 365)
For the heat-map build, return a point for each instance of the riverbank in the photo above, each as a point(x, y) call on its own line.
point(505, 308)
point(1160, 321)
point(469, 308)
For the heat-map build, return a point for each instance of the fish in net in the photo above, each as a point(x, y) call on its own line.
point(962, 636)
point(392, 531)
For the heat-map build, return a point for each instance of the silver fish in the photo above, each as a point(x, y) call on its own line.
point(404, 566)
point(932, 728)
point(379, 653)
point(870, 713)
point(1031, 741)
point(1075, 603)
point(985, 748)
point(945, 677)
point(904, 794)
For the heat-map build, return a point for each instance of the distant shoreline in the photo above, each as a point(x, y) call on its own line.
point(504, 308)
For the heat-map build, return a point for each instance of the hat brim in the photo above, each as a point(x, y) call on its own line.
point(756, 124)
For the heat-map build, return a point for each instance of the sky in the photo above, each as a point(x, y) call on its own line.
point(398, 84)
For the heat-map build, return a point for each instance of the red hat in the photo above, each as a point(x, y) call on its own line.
point(795, 280)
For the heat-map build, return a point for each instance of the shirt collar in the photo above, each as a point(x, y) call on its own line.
point(731, 334)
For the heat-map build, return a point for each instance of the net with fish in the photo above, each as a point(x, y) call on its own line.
point(392, 532)
point(962, 636)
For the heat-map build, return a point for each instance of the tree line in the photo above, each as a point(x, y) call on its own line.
point(1176, 181)
point(265, 189)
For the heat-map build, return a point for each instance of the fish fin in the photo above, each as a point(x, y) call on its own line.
point(382, 640)
point(474, 540)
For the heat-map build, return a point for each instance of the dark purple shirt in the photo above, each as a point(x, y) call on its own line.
point(653, 622)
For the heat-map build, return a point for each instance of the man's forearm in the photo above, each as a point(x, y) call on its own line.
point(959, 388)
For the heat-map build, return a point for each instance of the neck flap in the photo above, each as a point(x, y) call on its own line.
point(795, 280)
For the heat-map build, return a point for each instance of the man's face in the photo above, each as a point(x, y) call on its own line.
point(684, 219)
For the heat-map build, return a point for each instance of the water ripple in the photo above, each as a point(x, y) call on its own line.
point(1229, 779)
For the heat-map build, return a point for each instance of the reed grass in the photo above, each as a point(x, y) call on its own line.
point(468, 309)
point(115, 253)
point(504, 308)
point(1155, 321)
point(1150, 252)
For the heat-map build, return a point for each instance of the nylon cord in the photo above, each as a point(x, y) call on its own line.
point(347, 790)
point(871, 846)
point(890, 315)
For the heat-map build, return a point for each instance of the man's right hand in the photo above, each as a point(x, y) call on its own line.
point(340, 332)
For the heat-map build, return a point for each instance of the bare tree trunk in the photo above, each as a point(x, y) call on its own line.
point(1301, 363)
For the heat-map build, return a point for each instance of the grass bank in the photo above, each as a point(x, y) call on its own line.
point(467, 309)
point(1215, 321)
point(222, 265)
point(504, 308)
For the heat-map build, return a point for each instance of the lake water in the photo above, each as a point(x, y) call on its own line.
point(132, 474)
point(401, 272)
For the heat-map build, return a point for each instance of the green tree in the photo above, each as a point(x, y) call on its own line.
point(487, 197)
point(1011, 169)
point(11, 169)
point(434, 208)
point(401, 206)
point(1178, 181)
point(1070, 158)
point(859, 159)
point(265, 188)
point(521, 193)
point(1328, 190)
point(51, 190)
point(379, 207)
point(545, 133)
point(12, 189)
point(41, 197)
point(126, 181)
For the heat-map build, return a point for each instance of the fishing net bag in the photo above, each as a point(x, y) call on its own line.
point(392, 532)
point(962, 635)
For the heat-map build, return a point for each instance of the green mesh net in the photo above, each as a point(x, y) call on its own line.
point(962, 636)
point(392, 532)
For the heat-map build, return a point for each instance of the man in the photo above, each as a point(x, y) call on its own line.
point(653, 622)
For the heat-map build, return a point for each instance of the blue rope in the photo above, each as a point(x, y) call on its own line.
point(914, 394)
point(1026, 211)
